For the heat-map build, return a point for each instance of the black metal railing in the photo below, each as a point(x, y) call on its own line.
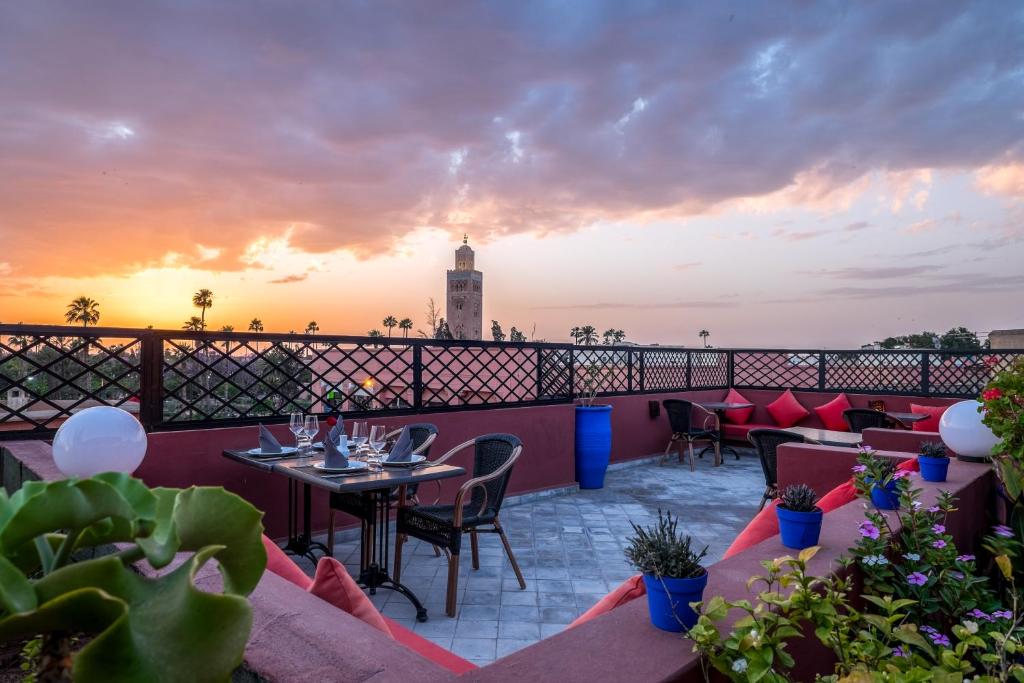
point(174, 379)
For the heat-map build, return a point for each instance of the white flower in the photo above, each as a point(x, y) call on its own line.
point(971, 626)
point(739, 666)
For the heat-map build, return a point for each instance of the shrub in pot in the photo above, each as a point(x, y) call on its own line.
point(672, 572)
point(799, 517)
point(878, 478)
point(593, 431)
point(933, 461)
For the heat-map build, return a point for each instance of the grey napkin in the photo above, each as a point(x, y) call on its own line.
point(335, 456)
point(338, 430)
point(402, 450)
point(268, 444)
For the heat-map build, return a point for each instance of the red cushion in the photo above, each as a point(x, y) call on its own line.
point(786, 410)
point(930, 423)
point(630, 589)
point(738, 416)
point(279, 563)
point(333, 584)
point(426, 648)
point(739, 432)
point(831, 414)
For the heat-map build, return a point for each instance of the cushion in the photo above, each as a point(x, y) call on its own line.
point(737, 416)
point(279, 563)
point(333, 584)
point(739, 432)
point(426, 648)
point(630, 589)
point(831, 414)
point(931, 423)
point(786, 410)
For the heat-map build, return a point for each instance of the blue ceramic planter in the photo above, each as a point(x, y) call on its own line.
point(799, 530)
point(670, 610)
point(933, 469)
point(593, 445)
point(887, 498)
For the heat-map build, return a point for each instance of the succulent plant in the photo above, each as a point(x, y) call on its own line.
point(799, 498)
point(933, 449)
point(662, 551)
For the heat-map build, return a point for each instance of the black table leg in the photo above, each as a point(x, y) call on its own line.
point(374, 555)
point(302, 544)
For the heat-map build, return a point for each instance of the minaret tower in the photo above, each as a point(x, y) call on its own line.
point(465, 310)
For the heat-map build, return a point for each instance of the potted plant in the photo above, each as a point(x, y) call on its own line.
point(878, 478)
point(672, 572)
point(799, 517)
point(593, 432)
point(933, 461)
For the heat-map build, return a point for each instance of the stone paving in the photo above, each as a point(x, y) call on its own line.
point(570, 551)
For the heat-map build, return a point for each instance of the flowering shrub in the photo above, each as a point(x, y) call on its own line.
point(1003, 401)
point(873, 470)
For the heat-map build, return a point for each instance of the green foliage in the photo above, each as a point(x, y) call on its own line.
point(933, 449)
point(143, 629)
point(662, 551)
point(799, 498)
point(874, 470)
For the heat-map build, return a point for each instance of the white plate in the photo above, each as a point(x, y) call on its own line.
point(416, 460)
point(285, 450)
point(353, 466)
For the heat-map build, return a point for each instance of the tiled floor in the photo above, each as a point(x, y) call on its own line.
point(570, 550)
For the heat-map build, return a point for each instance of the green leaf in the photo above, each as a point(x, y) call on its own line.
point(86, 609)
point(716, 608)
point(16, 594)
point(117, 529)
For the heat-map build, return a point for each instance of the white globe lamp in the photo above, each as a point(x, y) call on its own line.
point(99, 439)
point(963, 431)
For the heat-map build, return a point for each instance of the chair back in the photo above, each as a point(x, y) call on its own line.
point(490, 453)
point(859, 419)
point(420, 432)
point(767, 442)
point(679, 415)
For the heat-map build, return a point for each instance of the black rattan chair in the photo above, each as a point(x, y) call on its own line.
point(362, 507)
point(859, 419)
point(685, 428)
point(767, 442)
point(443, 525)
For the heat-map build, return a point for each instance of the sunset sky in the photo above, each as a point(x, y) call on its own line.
point(788, 174)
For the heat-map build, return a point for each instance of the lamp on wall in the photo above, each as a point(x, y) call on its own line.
point(654, 408)
point(963, 432)
point(99, 439)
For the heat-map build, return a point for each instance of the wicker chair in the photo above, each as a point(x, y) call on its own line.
point(443, 525)
point(680, 418)
point(767, 442)
point(423, 435)
point(859, 419)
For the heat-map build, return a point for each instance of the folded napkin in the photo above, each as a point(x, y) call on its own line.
point(268, 444)
point(336, 455)
point(338, 430)
point(402, 450)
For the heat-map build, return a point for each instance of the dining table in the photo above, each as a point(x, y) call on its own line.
point(719, 408)
point(827, 437)
point(375, 486)
point(904, 419)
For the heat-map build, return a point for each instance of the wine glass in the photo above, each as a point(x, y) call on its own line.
point(377, 441)
point(310, 427)
point(359, 434)
point(295, 427)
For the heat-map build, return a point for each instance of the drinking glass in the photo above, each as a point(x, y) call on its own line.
point(295, 427)
point(310, 427)
point(359, 434)
point(377, 442)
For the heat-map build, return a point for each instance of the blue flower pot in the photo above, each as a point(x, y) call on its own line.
point(670, 609)
point(799, 530)
point(933, 469)
point(593, 445)
point(885, 498)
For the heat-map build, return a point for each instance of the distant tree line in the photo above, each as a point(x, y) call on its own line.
point(956, 339)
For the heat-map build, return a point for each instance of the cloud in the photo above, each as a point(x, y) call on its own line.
point(689, 265)
point(925, 225)
point(5, 269)
point(872, 272)
point(289, 278)
point(1001, 179)
point(203, 126)
point(856, 226)
point(613, 306)
point(970, 283)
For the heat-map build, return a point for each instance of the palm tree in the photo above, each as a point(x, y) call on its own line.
point(405, 324)
point(704, 334)
point(255, 325)
point(83, 310)
point(203, 299)
point(390, 322)
point(619, 336)
point(312, 327)
point(227, 342)
point(609, 336)
point(375, 333)
point(194, 324)
point(575, 334)
point(588, 335)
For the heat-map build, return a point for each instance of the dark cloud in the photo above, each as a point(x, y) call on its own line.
point(872, 272)
point(689, 265)
point(149, 126)
point(856, 226)
point(655, 306)
point(289, 278)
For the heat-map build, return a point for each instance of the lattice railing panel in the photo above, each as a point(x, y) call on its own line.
point(664, 370)
point(709, 369)
point(607, 369)
point(45, 379)
point(478, 375)
point(874, 372)
point(791, 369)
point(959, 374)
point(555, 373)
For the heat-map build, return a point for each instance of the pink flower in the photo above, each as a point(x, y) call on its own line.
point(917, 579)
point(965, 558)
point(869, 530)
point(933, 508)
point(859, 468)
point(1003, 614)
point(900, 474)
point(940, 544)
point(1002, 530)
point(992, 394)
point(938, 528)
